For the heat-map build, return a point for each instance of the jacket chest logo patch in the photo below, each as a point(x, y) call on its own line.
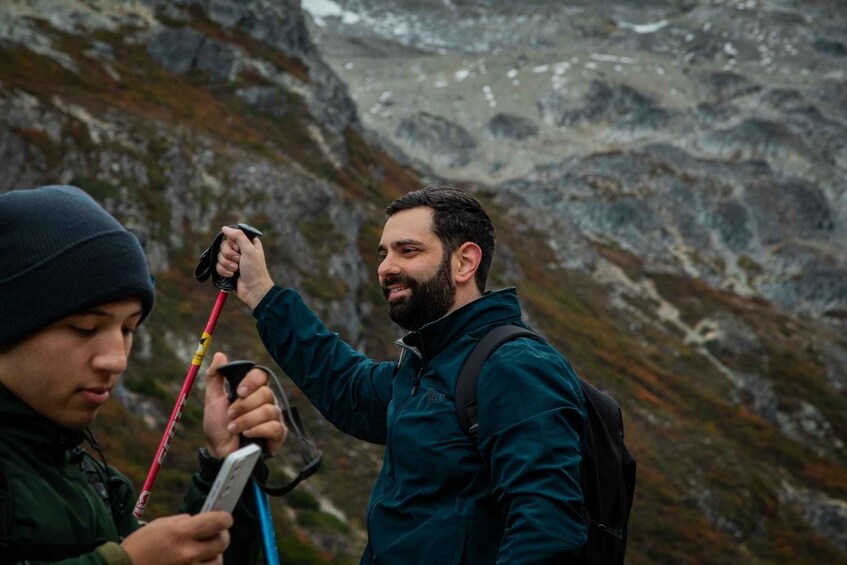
point(432, 396)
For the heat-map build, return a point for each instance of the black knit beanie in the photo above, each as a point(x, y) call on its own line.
point(62, 253)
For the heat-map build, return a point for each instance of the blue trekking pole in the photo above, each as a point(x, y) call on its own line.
point(266, 525)
point(234, 372)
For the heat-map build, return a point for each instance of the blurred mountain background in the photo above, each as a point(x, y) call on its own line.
point(667, 178)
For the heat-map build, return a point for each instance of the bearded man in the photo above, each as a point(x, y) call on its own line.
point(510, 496)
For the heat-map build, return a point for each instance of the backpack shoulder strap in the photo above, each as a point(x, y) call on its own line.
point(466, 384)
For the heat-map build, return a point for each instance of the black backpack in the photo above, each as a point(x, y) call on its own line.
point(607, 470)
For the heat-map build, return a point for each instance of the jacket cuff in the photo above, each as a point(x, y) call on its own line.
point(209, 466)
point(275, 291)
point(113, 554)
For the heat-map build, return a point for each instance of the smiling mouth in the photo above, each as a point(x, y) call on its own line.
point(393, 292)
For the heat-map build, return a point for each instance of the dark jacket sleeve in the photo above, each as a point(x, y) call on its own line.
point(351, 390)
point(531, 424)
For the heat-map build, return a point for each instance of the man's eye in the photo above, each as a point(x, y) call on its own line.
point(381, 257)
point(84, 330)
point(128, 331)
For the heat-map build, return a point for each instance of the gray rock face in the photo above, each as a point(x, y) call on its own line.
point(265, 99)
point(827, 515)
point(785, 211)
point(183, 50)
point(830, 47)
point(731, 337)
point(706, 215)
point(603, 102)
point(443, 140)
point(509, 127)
point(760, 139)
point(13, 154)
point(720, 86)
point(280, 25)
point(834, 358)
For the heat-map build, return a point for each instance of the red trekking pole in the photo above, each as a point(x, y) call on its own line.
point(205, 268)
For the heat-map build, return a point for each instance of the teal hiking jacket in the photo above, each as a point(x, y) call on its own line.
point(513, 497)
point(50, 512)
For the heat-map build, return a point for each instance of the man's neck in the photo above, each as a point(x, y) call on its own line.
point(465, 297)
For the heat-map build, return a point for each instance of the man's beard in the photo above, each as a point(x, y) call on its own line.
point(427, 300)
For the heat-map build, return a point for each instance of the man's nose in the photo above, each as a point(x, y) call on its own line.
point(388, 266)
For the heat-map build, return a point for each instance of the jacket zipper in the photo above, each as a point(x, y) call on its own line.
point(415, 383)
point(394, 421)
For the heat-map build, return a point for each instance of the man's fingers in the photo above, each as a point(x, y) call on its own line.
point(229, 254)
point(264, 396)
point(228, 260)
point(273, 432)
point(236, 238)
point(211, 532)
point(246, 422)
point(215, 380)
point(180, 539)
point(231, 241)
point(253, 381)
point(207, 525)
point(218, 359)
point(211, 548)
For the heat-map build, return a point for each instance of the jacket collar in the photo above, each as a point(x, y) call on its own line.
point(21, 423)
point(494, 307)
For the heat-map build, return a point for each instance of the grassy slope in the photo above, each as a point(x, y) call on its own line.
point(709, 468)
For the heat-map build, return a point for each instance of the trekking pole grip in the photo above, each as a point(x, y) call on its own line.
point(234, 372)
point(209, 258)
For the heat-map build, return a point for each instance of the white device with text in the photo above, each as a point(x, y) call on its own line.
point(232, 478)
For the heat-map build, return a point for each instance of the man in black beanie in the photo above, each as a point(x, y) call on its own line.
point(74, 286)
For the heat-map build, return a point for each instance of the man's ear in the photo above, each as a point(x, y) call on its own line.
point(468, 257)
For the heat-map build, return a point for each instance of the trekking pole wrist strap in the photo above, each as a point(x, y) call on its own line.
point(234, 372)
point(209, 258)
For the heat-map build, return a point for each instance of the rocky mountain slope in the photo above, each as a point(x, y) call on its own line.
point(667, 178)
point(707, 137)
